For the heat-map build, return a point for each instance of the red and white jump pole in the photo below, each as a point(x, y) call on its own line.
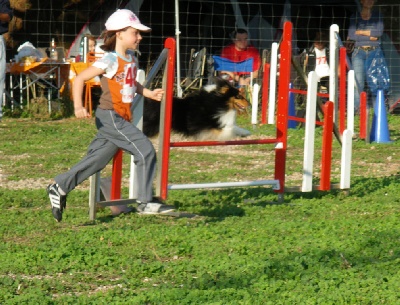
point(272, 83)
point(281, 130)
point(326, 158)
point(264, 93)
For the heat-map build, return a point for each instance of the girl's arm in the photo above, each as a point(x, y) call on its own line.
point(155, 94)
point(77, 89)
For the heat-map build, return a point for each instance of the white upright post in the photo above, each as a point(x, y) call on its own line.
point(254, 105)
point(138, 122)
point(94, 194)
point(272, 83)
point(345, 168)
point(333, 64)
point(311, 109)
point(350, 101)
point(178, 54)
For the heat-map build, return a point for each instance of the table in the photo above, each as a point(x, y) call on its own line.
point(75, 69)
point(23, 77)
point(46, 71)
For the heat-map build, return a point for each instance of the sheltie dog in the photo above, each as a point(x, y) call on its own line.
point(207, 114)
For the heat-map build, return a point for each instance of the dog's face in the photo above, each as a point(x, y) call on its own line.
point(236, 99)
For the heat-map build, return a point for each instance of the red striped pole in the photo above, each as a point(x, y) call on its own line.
point(116, 178)
point(363, 115)
point(283, 107)
point(327, 137)
point(169, 91)
point(265, 95)
point(287, 31)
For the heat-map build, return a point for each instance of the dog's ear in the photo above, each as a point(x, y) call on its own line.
point(224, 89)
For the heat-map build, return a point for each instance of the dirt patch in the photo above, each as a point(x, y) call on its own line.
point(389, 166)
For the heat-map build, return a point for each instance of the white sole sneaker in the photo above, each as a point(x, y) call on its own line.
point(154, 208)
point(58, 202)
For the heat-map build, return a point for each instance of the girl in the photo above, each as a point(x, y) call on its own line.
point(113, 115)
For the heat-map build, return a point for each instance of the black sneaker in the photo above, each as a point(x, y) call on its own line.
point(58, 201)
point(154, 208)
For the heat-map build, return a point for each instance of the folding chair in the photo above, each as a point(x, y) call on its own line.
point(94, 82)
point(196, 69)
point(224, 64)
point(265, 58)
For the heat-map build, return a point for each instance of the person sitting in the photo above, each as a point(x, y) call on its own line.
point(317, 59)
point(91, 47)
point(241, 50)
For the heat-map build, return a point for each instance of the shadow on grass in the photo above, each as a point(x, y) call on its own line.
point(360, 187)
point(219, 204)
point(364, 186)
point(101, 219)
point(223, 203)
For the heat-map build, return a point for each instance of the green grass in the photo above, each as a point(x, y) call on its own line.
point(315, 248)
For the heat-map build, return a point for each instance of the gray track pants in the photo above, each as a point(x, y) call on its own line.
point(113, 133)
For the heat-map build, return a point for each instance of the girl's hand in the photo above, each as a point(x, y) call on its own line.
point(81, 113)
point(156, 94)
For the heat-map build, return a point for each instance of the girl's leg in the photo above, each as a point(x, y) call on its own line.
point(99, 154)
point(129, 138)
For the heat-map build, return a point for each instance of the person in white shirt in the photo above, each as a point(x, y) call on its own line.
point(317, 60)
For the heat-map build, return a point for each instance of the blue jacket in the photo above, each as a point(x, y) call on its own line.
point(374, 24)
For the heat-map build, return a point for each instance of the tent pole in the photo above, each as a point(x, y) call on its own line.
point(178, 61)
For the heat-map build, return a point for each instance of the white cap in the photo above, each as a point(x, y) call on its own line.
point(124, 18)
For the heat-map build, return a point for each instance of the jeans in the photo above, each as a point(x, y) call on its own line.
point(2, 72)
point(358, 59)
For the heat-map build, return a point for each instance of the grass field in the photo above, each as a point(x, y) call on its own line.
point(243, 248)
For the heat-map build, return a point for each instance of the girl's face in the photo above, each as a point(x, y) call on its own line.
point(129, 38)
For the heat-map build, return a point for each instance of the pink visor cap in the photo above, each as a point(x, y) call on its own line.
point(124, 18)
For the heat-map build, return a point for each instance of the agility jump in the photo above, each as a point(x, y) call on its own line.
point(165, 144)
point(330, 114)
point(280, 141)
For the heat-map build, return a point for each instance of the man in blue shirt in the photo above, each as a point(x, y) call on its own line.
point(6, 13)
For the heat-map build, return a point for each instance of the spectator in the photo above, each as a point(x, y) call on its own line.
point(241, 50)
point(366, 28)
point(91, 47)
point(317, 59)
point(6, 14)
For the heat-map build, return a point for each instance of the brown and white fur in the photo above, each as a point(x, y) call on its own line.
point(207, 114)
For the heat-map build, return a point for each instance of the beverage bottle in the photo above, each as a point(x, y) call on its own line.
point(53, 50)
